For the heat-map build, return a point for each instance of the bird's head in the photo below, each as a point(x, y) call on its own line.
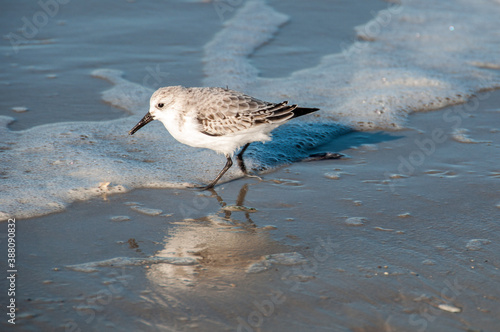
point(161, 101)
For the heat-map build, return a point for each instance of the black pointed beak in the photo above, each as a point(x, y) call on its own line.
point(144, 121)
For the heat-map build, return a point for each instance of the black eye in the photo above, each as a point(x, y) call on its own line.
point(160, 105)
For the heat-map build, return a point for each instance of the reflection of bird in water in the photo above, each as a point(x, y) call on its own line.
point(239, 207)
point(223, 245)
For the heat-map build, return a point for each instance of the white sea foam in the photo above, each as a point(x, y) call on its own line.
point(421, 55)
point(127, 261)
point(266, 262)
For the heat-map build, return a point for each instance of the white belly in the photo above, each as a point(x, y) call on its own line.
point(187, 132)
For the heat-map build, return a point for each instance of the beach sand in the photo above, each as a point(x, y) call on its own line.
point(399, 235)
point(385, 238)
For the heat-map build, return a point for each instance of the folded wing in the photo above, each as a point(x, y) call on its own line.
point(233, 112)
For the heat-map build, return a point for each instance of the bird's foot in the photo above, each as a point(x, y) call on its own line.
point(202, 188)
point(249, 175)
point(253, 176)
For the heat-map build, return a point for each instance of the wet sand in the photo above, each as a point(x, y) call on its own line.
point(391, 238)
point(400, 235)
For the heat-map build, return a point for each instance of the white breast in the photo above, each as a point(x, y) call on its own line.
point(186, 130)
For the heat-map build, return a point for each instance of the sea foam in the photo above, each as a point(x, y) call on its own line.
point(413, 56)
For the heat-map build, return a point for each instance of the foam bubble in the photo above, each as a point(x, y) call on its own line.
point(147, 211)
point(266, 262)
point(356, 221)
point(129, 261)
point(476, 244)
point(20, 109)
point(461, 135)
point(449, 308)
point(332, 175)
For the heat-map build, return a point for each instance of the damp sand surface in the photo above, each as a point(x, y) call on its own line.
point(399, 235)
point(405, 237)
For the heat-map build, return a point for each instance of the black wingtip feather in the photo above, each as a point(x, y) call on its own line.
point(299, 111)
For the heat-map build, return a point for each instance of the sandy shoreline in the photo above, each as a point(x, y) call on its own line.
point(384, 248)
point(401, 235)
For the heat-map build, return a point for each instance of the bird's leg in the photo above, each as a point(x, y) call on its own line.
point(239, 158)
point(228, 165)
point(241, 164)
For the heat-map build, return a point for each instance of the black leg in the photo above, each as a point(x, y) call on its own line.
point(228, 165)
point(239, 158)
point(242, 194)
point(243, 168)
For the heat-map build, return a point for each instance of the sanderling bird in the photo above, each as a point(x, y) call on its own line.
point(219, 119)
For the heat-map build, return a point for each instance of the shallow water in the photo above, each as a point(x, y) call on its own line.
point(399, 235)
point(387, 244)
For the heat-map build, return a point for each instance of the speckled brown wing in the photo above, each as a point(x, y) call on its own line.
point(223, 112)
